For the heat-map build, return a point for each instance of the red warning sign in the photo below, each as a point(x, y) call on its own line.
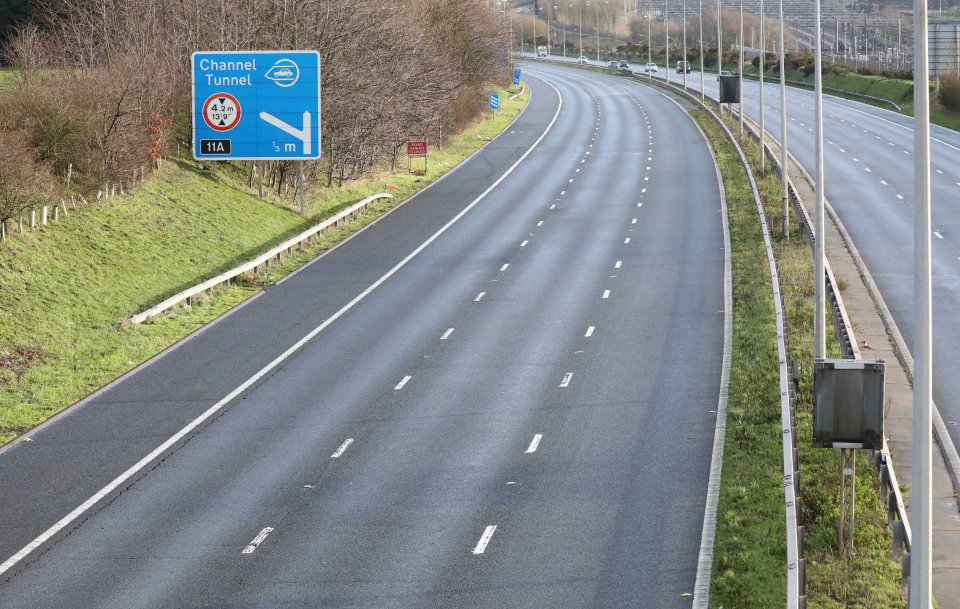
point(416, 149)
point(221, 111)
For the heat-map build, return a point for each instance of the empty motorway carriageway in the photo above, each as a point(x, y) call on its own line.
point(503, 393)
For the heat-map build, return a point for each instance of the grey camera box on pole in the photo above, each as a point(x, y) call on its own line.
point(848, 403)
point(730, 89)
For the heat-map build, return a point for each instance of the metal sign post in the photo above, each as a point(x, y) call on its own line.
point(417, 150)
point(256, 105)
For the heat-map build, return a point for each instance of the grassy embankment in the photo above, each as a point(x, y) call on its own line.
point(749, 564)
point(898, 91)
point(67, 287)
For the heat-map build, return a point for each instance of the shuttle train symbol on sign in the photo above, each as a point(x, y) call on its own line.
point(284, 73)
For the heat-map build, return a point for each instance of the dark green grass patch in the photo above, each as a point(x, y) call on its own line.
point(66, 289)
point(750, 552)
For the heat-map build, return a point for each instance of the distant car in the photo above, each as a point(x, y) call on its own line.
point(650, 67)
point(612, 64)
point(624, 65)
point(583, 60)
point(683, 66)
point(541, 51)
point(724, 73)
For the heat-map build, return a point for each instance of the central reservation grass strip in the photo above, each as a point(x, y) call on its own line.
point(750, 554)
point(67, 287)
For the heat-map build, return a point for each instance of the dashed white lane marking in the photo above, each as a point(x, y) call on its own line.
point(554, 206)
point(627, 240)
point(898, 196)
point(865, 167)
point(937, 233)
point(606, 293)
point(589, 332)
point(540, 223)
point(577, 171)
point(618, 264)
point(534, 443)
point(504, 267)
point(256, 541)
point(855, 159)
point(571, 180)
point(524, 244)
point(190, 427)
point(642, 190)
point(563, 192)
point(446, 334)
point(566, 379)
point(485, 539)
point(884, 182)
point(907, 152)
point(634, 221)
point(646, 178)
point(402, 382)
point(890, 143)
point(479, 297)
point(343, 447)
point(938, 171)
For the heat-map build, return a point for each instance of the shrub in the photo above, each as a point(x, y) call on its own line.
point(950, 92)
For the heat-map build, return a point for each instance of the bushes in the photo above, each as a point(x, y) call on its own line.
point(950, 92)
point(105, 85)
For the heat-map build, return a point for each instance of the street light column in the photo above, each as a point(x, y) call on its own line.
point(701, 53)
point(666, 25)
point(763, 108)
point(684, 45)
point(784, 203)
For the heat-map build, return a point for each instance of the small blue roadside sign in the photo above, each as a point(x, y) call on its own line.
point(516, 77)
point(494, 101)
point(253, 105)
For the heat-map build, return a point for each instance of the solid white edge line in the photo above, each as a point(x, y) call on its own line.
point(343, 447)
point(485, 539)
point(174, 439)
point(402, 382)
point(534, 443)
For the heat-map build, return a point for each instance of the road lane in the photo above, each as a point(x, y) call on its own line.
point(606, 511)
point(869, 167)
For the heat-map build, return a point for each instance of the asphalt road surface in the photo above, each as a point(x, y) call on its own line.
point(869, 169)
point(518, 411)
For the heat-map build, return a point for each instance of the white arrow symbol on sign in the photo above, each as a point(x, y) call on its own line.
point(301, 134)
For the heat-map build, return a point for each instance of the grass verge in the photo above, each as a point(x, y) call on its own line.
point(67, 287)
point(749, 564)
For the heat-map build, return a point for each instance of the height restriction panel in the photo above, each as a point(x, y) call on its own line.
point(251, 105)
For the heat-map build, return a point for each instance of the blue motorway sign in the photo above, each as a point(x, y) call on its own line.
point(256, 105)
point(516, 77)
point(494, 101)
